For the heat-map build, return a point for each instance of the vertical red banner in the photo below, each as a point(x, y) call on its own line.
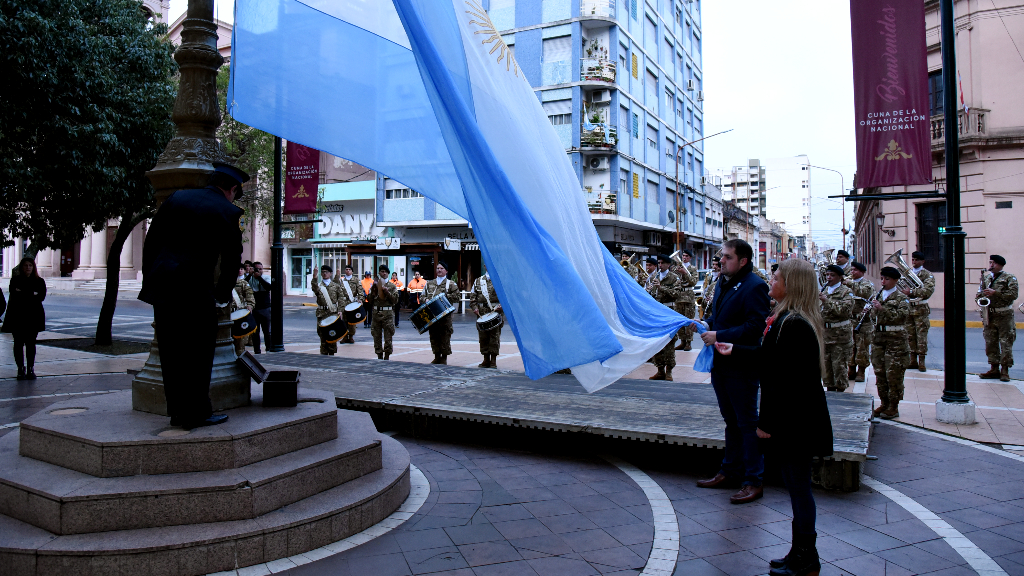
point(890, 83)
point(302, 179)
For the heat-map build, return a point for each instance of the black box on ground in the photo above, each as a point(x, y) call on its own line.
point(280, 388)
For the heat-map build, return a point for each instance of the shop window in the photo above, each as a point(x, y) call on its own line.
point(930, 217)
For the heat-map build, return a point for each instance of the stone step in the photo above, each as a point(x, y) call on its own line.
point(77, 434)
point(329, 516)
point(65, 501)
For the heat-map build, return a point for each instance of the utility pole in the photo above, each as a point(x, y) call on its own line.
point(954, 406)
point(679, 150)
point(276, 343)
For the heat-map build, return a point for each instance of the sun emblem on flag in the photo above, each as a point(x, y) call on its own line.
point(894, 152)
point(482, 20)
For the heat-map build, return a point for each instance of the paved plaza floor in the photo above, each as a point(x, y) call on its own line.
point(945, 501)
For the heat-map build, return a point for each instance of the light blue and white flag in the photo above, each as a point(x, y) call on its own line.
point(426, 92)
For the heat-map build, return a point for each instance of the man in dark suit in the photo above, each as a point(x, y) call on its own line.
point(190, 264)
point(737, 316)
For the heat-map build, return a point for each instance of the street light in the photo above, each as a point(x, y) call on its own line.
point(880, 220)
point(842, 184)
point(679, 150)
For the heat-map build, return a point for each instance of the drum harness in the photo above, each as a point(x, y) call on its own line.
point(238, 301)
point(331, 306)
point(487, 293)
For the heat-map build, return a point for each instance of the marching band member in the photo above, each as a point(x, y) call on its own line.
point(484, 301)
point(328, 295)
point(248, 300)
point(441, 331)
point(352, 291)
point(843, 261)
point(381, 300)
point(686, 300)
point(836, 312)
point(1000, 287)
point(861, 288)
point(918, 321)
point(664, 286)
point(889, 351)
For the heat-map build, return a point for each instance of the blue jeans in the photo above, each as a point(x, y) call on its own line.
point(737, 400)
point(796, 473)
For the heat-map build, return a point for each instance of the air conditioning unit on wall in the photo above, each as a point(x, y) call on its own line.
point(700, 95)
point(598, 163)
point(602, 96)
point(691, 85)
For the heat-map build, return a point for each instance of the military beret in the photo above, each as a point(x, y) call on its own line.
point(837, 269)
point(664, 258)
point(383, 268)
point(998, 259)
point(651, 260)
point(859, 266)
point(917, 255)
point(890, 272)
point(843, 253)
point(443, 264)
point(326, 268)
point(688, 253)
point(716, 259)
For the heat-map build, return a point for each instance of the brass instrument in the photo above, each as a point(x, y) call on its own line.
point(982, 301)
point(677, 257)
point(908, 280)
point(824, 261)
point(635, 269)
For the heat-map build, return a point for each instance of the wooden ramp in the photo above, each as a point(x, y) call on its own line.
point(680, 413)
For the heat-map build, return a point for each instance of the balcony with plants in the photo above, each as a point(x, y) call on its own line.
point(600, 201)
point(596, 132)
point(596, 66)
point(599, 8)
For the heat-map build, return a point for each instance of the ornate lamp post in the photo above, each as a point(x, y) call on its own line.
point(187, 162)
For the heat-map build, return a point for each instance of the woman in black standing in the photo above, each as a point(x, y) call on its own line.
point(794, 425)
point(25, 316)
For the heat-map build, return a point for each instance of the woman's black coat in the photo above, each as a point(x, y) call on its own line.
point(25, 309)
point(793, 406)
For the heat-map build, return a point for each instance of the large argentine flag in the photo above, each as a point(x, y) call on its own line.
point(426, 92)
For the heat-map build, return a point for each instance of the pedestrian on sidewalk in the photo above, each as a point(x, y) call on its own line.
point(737, 317)
point(260, 285)
point(794, 425)
point(26, 317)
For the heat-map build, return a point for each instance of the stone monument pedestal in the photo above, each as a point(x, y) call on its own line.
point(955, 412)
point(229, 383)
point(89, 486)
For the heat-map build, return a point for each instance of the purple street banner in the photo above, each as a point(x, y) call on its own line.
point(302, 180)
point(890, 84)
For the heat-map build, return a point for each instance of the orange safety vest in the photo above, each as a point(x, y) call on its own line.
point(421, 284)
point(398, 283)
point(367, 284)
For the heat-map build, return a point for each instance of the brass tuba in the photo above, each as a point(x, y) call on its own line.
point(824, 261)
point(908, 280)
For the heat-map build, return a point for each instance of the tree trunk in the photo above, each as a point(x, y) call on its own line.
point(104, 326)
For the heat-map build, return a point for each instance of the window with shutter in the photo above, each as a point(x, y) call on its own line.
point(636, 126)
point(558, 49)
point(635, 68)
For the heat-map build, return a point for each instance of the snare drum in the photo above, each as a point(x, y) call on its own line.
point(242, 323)
point(490, 321)
point(433, 310)
point(331, 329)
point(355, 313)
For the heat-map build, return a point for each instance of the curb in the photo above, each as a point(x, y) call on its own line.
point(968, 324)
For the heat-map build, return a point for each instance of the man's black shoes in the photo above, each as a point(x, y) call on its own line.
point(190, 424)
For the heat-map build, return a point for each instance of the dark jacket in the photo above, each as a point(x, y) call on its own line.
point(793, 406)
point(193, 249)
point(738, 314)
point(260, 291)
point(25, 312)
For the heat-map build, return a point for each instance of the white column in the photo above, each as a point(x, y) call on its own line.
point(99, 249)
point(85, 250)
point(127, 252)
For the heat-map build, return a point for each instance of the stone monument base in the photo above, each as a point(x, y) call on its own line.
point(955, 412)
point(90, 486)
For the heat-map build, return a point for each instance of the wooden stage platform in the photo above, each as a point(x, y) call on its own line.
point(679, 413)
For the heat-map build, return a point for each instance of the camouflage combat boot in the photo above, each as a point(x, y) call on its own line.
point(851, 373)
point(668, 374)
point(660, 375)
point(860, 374)
point(1004, 374)
point(882, 406)
point(892, 411)
point(992, 373)
point(913, 362)
point(920, 364)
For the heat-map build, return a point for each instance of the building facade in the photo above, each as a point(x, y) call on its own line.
point(991, 135)
point(746, 186)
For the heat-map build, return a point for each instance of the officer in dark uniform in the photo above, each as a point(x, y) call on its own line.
point(190, 264)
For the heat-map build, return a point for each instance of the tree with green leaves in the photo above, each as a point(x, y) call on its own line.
point(86, 114)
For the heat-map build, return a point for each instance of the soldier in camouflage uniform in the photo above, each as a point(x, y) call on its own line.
point(918, 322)
point(441, 331)
point(1000, 288)
point(836, 312)
point(329, 294)
point(710, 285)
point(664, 286)
point(248, 300)
point(485, 301)
point(861, 288)
point(843, 261)
point(686, 300)
point(382, 299)
point(889, 352)
point(352, 292)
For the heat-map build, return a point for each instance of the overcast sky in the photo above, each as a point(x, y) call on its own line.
point(778, 73)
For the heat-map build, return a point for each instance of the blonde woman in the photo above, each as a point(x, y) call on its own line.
point(794, 425)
